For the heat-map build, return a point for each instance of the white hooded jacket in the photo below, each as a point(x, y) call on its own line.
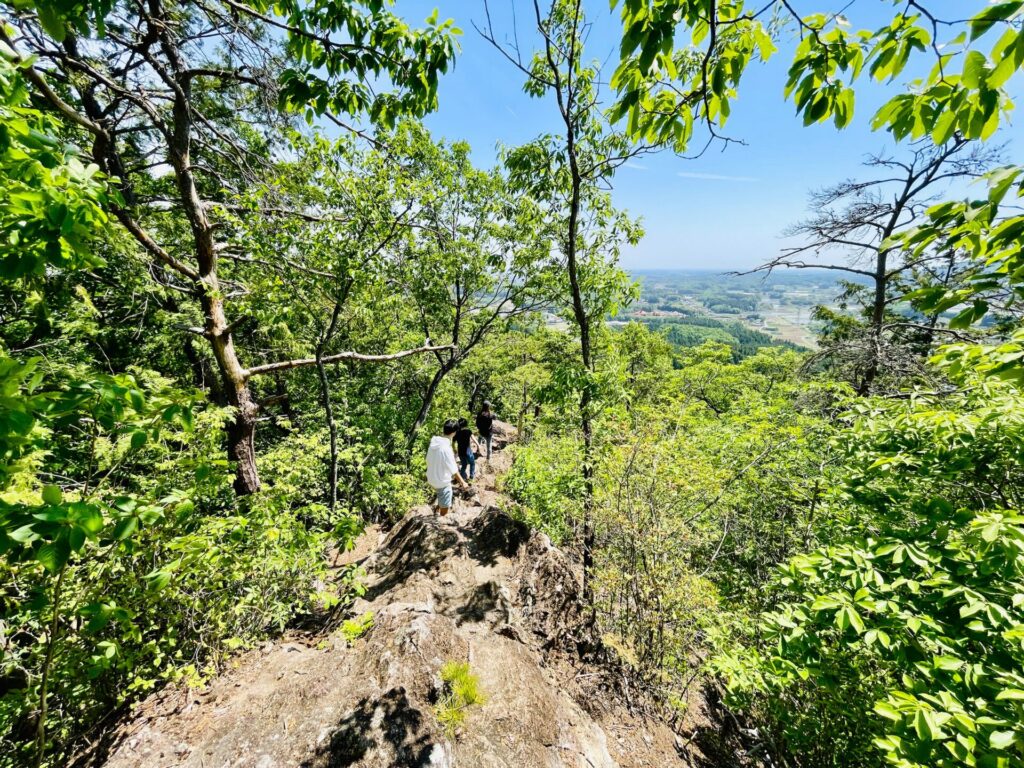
point(440, 462)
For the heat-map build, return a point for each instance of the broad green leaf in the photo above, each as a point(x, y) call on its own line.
point(52, 495)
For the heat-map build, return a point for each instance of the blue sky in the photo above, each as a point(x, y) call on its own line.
point(725, 210)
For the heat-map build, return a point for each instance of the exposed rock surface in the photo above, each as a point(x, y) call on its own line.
point(477, 587)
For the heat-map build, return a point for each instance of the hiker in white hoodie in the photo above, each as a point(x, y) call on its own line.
point(442, 468)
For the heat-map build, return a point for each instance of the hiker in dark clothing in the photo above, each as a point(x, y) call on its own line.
point(484, 424)
point(467, 449)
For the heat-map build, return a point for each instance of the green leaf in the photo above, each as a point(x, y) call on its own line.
point(158, 580)
point(54, 555)
point(1002, 739)
point(24, 534)
point(51, 515)
point(76, 539)
point(848, 617)
point(945, 125)
point(125, 527)
point(975, 69)
point(970, 315)
point(947, 663)
point(984, 21)
point(138, 439)
point(89, 519)
point(137, 399)
point(925, 726)
point(825, 603)
point(888, 711)
point(51, 21)
point(52, 495)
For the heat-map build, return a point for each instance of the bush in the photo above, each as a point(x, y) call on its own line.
point(460, 691)
point(353, 629)
point(545, 481)
point(171, 575)
point(907, 637)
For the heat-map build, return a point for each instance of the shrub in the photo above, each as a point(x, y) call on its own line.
point(545, 481)
point(353, 629)
point(460, 691)
point(167, 575)
point(908, 634)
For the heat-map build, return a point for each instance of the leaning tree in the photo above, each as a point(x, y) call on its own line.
point(862, 221)
point(183, 101)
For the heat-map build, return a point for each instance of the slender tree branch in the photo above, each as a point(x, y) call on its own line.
point(284, 365)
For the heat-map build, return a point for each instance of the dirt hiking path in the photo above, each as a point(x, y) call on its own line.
point(477, 586)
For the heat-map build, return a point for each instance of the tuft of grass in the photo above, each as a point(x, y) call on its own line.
point(461, 691)
point(353, 629)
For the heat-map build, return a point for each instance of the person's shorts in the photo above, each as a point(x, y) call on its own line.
point(444, 497)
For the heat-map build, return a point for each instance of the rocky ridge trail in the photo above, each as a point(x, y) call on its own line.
point(476, 587)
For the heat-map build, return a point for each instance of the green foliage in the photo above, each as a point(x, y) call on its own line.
point(907, 629)
point(706, 477)
point(460, 691)
point(330, 76)
point(545, 482)
point(149, 577)
point(127, 562)
point(692, 463)
point(988, 231)
point(665, 87)
point(353, 629)
point(326, 73)
point(694, 331)
point(664, 91)
point(50, 202)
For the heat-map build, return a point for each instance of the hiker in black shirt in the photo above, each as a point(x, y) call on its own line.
point(484, 422)
point(466, 447)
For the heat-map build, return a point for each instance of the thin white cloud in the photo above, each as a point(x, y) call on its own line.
point(635, 166)
point(715, 176)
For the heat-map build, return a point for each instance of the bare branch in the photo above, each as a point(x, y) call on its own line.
point(285, 365)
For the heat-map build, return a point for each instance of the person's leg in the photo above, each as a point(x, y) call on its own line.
point(471, 460)
point(489, 447)
point(464, 461)
point(444, 500)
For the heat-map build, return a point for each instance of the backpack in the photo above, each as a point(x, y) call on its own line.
point(483, 423)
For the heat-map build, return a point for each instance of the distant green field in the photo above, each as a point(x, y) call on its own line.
point(695, 330)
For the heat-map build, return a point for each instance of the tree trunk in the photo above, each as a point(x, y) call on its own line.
point(242, 431)
point(589, 534)
point(583, 324)
point(586, 424)
point(206, 286)
point(877, 324)
point(471, 402)
point(241, 442)
point(241, 434)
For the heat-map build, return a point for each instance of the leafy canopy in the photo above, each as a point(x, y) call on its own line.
point(681, 62)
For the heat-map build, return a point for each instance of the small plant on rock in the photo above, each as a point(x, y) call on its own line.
point(461, 690)
point(353, 629)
